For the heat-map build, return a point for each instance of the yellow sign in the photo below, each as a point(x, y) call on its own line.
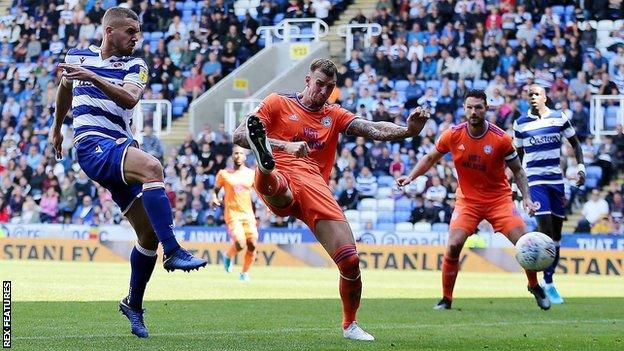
point(56, 250)
point(299, 51)
point(241, 84)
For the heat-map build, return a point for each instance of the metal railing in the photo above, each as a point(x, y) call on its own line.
point(153, 110)
point(604, 120)
point(346, 31)
point(291, 28)
point(235, 110)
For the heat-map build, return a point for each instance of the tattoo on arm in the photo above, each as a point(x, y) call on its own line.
point(382, 131)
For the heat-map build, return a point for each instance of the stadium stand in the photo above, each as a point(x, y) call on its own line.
point(431, 52)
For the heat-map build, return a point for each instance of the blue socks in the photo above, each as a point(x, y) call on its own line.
point(550, 271)
point(142, 262)
point(158, 210)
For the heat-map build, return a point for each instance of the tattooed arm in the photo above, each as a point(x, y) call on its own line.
point(385, 131)
point(298, 148)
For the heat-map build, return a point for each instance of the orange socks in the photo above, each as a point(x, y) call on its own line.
point(348, 263)
point(450, 267)
point(250, 257)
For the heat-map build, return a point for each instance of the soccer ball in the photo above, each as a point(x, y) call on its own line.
point(535, 251)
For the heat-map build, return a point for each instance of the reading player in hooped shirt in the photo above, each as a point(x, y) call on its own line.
point(480, 153)
point(294, 138)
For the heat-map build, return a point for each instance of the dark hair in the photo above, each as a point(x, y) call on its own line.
point(476, 93)
point(326, 66)
point(118, 13)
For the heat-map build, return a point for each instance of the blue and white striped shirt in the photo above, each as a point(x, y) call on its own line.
point(94, 113)
point(541, 139)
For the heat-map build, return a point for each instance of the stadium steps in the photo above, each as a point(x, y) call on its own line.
point(337, 43)
point(179, 129)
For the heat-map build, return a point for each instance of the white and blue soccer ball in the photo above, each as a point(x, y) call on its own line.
point(535, 251)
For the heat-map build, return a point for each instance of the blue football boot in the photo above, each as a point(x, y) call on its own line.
point(182, 259)
point(135, 317)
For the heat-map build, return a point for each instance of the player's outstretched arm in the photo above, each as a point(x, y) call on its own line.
point(386, 131)
point(523, 184)
point(126, 96)
point(421, 167)
point(63, 104)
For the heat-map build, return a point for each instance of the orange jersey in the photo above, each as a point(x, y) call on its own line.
point(285, 118)
point(480, 162)
point(237, 199)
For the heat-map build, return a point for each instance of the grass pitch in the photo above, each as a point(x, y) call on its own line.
point(73, 306)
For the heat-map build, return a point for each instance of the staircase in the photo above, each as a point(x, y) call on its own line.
point(179, 129)
point(336, 42)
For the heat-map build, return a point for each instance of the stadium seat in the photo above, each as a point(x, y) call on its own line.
point(147, 36)
point(254, 3)
point(434, 84)
point(593, 176)
point(569, 10)
point(278, 18)
point(513, 43)
point(404, 227)
point(352, 215)
point(386, 226)
point(403, 204)
point(611, 117)
point(480, 84)
point(421, 84)
point(401, 85)
point(240, 12)
point(385, 180)
point(189, 5)
point(355, 226)
point(468, 84)
point(558, 10)
point(402, 216)
point(368, 216)
point(157, 35)
point(367, 205)
point(156, 88)
point(440, 227)
point(385, 204)
point(179, 6)
point(177, 111)
point(384, 193)
point(385, 216)
point(423, 227)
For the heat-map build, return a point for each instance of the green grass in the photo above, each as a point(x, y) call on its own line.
point(72, 306)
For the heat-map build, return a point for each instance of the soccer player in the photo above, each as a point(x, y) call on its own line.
point(239, 214)
point(103, 85)
point(538, 138)
point(294, 138)
point(480, 152)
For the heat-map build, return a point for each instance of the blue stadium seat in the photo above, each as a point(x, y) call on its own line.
point(156, 88)
point(468, 83)
point(385, 216)
point(569, 10)
point(480, 84)
point(421, 84)
point(611, 117)
point(387, 226)
point(157, 35)
point(180, 101)
point(179, 5)
point(402, 216)
point(558, 10)
point(440, 227)
point(186, 15)
point(278, 18)
point(403, 204)
point(177, 111)
point(513, 43)
point(434, 84)
point(189, 5)
point(147, 36)
point(401, 85)
point(593, 176)
point(385, 180)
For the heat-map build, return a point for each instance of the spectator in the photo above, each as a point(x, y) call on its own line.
point(151, 144)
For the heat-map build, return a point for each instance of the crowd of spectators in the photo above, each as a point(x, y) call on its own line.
point(429, 54)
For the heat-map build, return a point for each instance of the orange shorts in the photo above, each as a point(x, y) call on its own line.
point(241, 229)
point(502, 215)
point(312, 198)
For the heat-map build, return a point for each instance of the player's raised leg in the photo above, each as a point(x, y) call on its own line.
point(142, 262)
point(450, 266)
point(140, 167)
point(534, 288)
point(337, 239)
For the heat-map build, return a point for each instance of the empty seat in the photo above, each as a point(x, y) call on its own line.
point(385, 180)
point(403, 204)
point(439, 227)
point(385, 204)
point(384, 193)
point(388, 226)
point(401, 85)
point(480, 84)
point(385, 216)
point(423, 227)
point(404, 227)
point(402, 216)
point(352, 215)
point(368, 216)
point(367, 205)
